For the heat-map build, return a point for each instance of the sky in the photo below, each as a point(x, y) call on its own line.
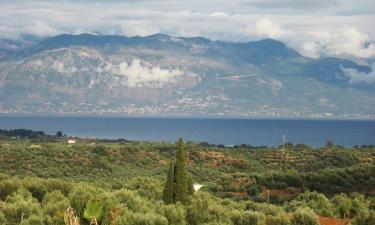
point(312, 27)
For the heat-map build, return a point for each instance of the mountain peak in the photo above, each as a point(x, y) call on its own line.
point(270, 41)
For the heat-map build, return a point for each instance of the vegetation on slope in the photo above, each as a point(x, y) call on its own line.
point(47, 181)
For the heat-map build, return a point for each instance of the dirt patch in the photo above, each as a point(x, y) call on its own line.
point(211, 154)
point(36, 146)
point(163, 162)
point(333, 221)
point(366, 159)
point(280, 193)
point(141, 155)
point(240, 182)
point(219, 159)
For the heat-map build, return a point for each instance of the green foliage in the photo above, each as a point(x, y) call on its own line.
point(142, 219)
point(365, 218)
point(168, 192)
point(124, 182)
point(127, 206)
point(343, 204)
point(100, 150)
point(319, 203)
point(181, 190)
point(35, 220)
point(93, 210)
point(190, 184)
point(175, 214)
point(254, 190)
point(267, 209)
point(305, 216)
point(54, 206)
point(281, 219)
point(3, 220)
point(248, 218)
point(7, 187)
point(204, 209)
point(78, 198)
point(179, 184)
point(359, 205)
point(372, 203)
point(19, 206)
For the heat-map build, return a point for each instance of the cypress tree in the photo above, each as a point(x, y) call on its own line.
point(190, 185)
point(181, 191)
point(168, 193)
point(179, 183)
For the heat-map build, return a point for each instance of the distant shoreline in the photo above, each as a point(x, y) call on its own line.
point(143, 116)
point(225, 131)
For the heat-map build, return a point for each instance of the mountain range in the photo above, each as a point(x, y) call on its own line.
point(176, 76)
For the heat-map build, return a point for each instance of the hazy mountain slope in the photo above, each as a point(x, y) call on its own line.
point(160, 74)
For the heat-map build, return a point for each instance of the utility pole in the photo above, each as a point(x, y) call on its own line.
point(283, 141)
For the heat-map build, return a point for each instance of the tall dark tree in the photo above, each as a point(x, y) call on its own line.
point(59, 134)
point(182, 190)
point(182, 185)
point(168, 193)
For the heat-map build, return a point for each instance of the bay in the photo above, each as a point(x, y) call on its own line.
point(255, 132)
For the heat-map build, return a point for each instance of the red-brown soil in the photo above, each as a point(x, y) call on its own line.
point(333, 221)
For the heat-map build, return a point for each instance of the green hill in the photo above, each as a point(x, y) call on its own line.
point(123, 182)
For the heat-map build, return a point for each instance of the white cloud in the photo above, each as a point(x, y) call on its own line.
point(218, 14)
point(132, 28)
point(343, 40)
point(359, 77)
point(313, 27)
point(40, 28)
point(267, 28)
point(139, 72)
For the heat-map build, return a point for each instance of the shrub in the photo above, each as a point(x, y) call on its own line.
point(54, 205)
point(7, 187)
point(142, 219)
point(305, 216)
point(93, 211)
point(19, 206)
point(175, 214)
point(343, 204)
point(100, 150)
point(364, 218)
point(317, 202)
point(247, 218)
point(253, 218)
point(34, 220)
point(281, 219)
point(131, 200)
point(3, 220)
point(78, 198)
point(203, 209)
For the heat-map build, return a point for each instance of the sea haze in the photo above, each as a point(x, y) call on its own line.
point(254, 132)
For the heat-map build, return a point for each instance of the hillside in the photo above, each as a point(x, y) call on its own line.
point(164, 75)
point(125, 179)
point(304, 167)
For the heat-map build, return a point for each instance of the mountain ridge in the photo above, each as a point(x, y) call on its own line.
point(165, 75)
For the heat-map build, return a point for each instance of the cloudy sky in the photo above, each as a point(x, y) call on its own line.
point(313, 27)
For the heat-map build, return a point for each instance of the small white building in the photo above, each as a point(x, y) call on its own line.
point(71, 141)
point(197, 187)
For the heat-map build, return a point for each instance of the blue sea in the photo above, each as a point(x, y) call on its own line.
point(256, 132)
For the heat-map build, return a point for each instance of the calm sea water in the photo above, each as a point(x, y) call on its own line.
point(255, 132)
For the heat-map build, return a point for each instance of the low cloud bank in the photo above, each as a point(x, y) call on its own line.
point(358, 77)
point(314, 28)
point(139, 72)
